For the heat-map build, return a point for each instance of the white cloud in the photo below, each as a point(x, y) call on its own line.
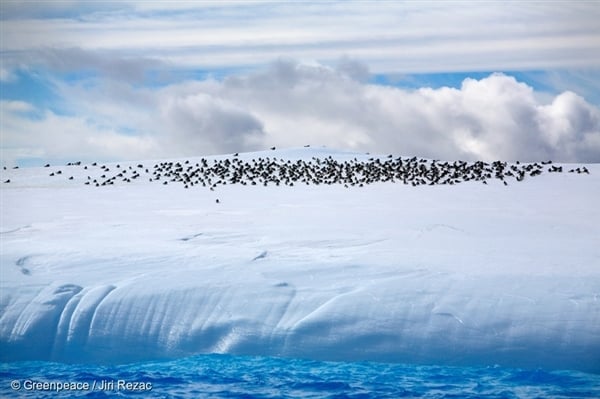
point(492, 118)
point(15, 106)
point(572, 125)
point(53, 136)
point(292, 104)
point(394, 37)
point(7, 75)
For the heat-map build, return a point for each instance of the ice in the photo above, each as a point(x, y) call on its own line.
point(469, 274)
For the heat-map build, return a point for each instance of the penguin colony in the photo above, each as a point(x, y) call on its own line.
point(318, 171)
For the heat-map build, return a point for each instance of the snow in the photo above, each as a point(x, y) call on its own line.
point(468, 274)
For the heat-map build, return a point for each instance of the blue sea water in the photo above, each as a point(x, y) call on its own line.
point(224, 376)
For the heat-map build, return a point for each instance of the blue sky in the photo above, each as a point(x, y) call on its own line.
point(453, 79)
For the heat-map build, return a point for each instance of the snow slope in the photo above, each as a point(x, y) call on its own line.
point(468, 274)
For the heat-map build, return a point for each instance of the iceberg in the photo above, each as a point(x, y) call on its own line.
point(464, 274)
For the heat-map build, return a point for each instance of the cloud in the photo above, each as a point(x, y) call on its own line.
point(76, 61)
point(585, 82)
point(14, 106)
point(59, 137)
point(395, 37)
point(201, 122)
point(6, 75)
point(115, 69)
point(292, 104)
point(116, 66)
point(492, 118)
point(572, 126)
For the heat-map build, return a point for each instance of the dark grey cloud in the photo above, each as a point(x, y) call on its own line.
point(200, 123)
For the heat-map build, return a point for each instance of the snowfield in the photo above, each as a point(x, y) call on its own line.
point(464, 274)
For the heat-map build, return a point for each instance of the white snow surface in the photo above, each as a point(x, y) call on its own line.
point(469, 274)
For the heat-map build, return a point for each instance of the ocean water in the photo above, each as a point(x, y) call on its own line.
point(224, 376)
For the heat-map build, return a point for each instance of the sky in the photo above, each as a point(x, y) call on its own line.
point(127, 80)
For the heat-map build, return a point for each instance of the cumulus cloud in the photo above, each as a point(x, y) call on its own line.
point(493, 118)
point(201, 121)
point(292, 104)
